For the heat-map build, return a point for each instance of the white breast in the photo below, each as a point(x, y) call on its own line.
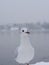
point(25, 50)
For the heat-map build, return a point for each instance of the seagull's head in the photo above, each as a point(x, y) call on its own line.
point(25, 30)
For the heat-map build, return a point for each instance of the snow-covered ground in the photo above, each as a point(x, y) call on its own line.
point(41, 63)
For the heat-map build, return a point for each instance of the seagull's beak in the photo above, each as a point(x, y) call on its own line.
point(28, 32)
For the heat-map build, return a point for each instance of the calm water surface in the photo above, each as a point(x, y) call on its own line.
point(10, 40)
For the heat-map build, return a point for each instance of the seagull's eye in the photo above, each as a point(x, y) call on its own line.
point(22, 30)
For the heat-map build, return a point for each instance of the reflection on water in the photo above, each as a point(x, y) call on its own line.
point(10, 40)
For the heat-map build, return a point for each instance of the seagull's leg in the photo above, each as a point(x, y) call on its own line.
point(27, 64)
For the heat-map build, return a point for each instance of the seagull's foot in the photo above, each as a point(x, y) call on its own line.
point(27, 64)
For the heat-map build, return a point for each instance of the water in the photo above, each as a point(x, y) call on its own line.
point(10, 40)
point(8, 43)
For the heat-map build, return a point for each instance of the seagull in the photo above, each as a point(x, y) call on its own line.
point(25, 49)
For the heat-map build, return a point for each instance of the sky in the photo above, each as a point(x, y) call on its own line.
point(21, 11)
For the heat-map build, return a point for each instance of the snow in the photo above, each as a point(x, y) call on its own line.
point(41, 63)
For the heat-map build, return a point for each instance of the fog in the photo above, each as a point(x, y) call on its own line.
point(21, 11)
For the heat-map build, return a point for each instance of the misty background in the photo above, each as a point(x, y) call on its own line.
point(21, 11)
